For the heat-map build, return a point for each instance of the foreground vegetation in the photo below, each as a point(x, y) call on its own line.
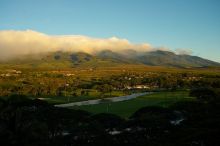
point(36, 123)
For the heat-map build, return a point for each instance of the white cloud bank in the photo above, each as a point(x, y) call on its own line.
point(17, 43)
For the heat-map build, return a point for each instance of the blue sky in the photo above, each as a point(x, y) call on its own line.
point(185, 24)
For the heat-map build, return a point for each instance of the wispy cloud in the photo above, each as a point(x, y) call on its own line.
point(184, 51)
point(17, 43)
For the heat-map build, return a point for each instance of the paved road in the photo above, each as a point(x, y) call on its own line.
point(98, 101)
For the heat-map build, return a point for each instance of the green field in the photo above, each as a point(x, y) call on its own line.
point(92, 94)
point(126, 108)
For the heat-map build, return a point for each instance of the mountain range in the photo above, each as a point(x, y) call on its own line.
point(107, 58)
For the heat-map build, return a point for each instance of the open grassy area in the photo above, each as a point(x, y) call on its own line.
point(127, 108)
point(92, 94)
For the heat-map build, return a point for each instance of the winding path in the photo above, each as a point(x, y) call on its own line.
point(98, 101)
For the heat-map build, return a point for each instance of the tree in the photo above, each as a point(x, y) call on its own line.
point(203, 94)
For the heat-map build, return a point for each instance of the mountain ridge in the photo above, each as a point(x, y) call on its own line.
point(107, 58)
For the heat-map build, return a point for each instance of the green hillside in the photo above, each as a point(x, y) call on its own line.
point(107, 58)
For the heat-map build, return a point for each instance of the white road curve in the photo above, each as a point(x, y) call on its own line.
point(98, 101)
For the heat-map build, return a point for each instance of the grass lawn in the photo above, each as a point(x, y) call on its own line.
point(93, 94)
point(127, 108)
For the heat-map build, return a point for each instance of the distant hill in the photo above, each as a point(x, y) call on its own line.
point(107, 58)
point(159, 58)
point(165, 58)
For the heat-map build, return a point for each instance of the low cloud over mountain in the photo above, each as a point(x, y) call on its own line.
point(17, 43)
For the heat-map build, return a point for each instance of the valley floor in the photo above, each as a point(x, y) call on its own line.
point(127, 108)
